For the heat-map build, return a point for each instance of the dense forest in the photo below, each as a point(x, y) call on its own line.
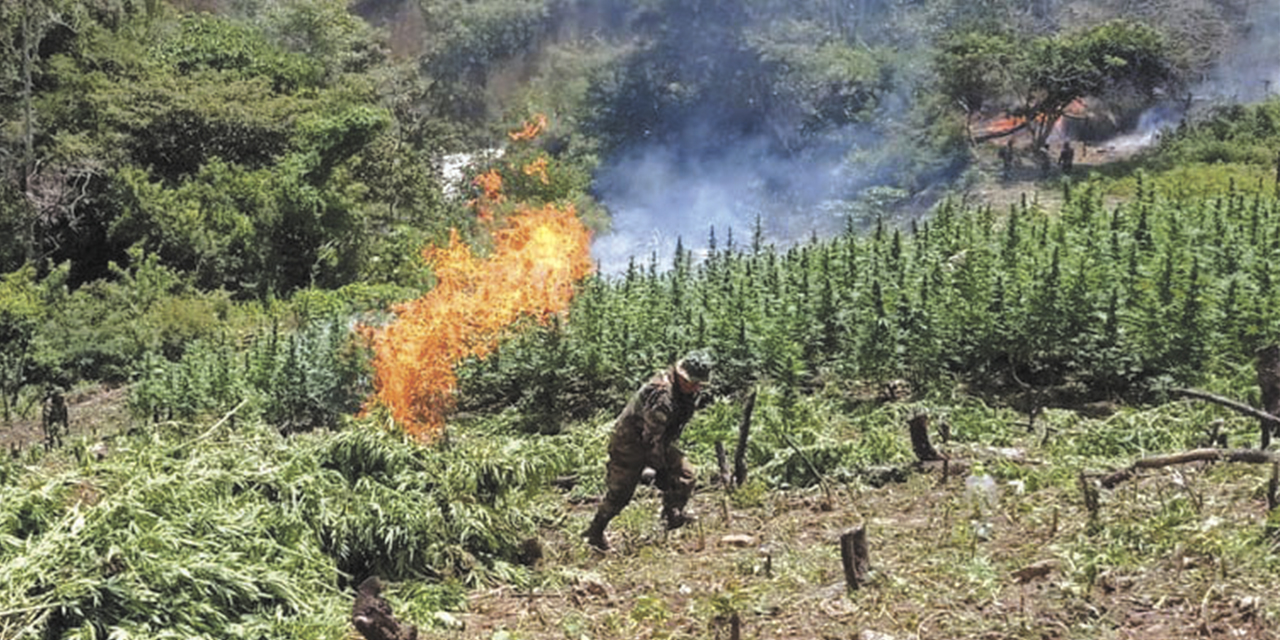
point(297, 292)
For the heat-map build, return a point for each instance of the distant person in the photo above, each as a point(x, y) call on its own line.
point(53, 417)
point(645, 435)
point(1067, 157)
point(1006, 159)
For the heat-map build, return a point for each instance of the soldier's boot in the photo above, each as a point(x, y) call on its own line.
point(595, 533)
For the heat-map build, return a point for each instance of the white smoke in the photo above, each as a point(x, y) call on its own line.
point(1250, 70)
point(658, 198)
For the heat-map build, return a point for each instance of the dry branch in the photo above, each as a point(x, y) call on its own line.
point(1253, 456)
point(827, 504)
point(723, 477)
point(1226, 402)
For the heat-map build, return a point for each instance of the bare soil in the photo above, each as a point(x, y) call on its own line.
point(94, 411)
point(930, 578)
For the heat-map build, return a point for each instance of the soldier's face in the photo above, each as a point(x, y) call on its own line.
point(687, 385)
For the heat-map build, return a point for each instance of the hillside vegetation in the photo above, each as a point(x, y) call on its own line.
point(213, 212)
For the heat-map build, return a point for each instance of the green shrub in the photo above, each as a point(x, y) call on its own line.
point(297, 380)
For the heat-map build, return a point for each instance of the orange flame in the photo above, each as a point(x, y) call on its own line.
point(538, 168)
point(997, 126)
point(490, 185)
point(530, 129)
point(538, 256)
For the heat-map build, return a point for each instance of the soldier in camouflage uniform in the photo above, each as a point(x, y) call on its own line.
point(645, 435)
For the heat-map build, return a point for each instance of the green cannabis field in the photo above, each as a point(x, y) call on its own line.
point(203, 519)
point(209, 207)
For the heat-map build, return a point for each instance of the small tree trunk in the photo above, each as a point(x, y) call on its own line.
point(722, 460)
point(1269, 383)
point(1273, 486)
point(853, 556)
point(744, 430)
point(28, 133)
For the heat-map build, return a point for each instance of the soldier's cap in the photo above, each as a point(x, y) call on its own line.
point(696, 366)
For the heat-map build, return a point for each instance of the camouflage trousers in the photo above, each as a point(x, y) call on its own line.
point(627, 461)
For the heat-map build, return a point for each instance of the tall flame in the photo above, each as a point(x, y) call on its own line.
point(538, 256)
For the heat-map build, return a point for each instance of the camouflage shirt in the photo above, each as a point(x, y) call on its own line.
point(656, 415)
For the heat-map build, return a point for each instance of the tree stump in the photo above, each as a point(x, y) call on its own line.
point(1273, 487)
point(854, 557)
point(53, 418)
point(919, 425)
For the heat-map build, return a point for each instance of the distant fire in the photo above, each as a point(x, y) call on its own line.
point(1005, 124)
point(538, 256)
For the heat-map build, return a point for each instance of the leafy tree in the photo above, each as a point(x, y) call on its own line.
point(974, 68)
point(21, 312)
point(1060, 69)
point(223, 148)
point(699, 71)
point(466, 42)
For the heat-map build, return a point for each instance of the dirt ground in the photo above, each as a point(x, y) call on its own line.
point(1000, 190)
point(96, 411)
point(778, 567)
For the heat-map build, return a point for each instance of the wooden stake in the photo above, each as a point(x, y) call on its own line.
point(1090, 495)
point(853, 556)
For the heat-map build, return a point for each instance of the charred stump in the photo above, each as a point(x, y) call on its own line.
point(854, 557)
point(920, 444)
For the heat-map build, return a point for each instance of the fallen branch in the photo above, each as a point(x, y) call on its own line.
point(1253, 456)
point(1226, 402)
